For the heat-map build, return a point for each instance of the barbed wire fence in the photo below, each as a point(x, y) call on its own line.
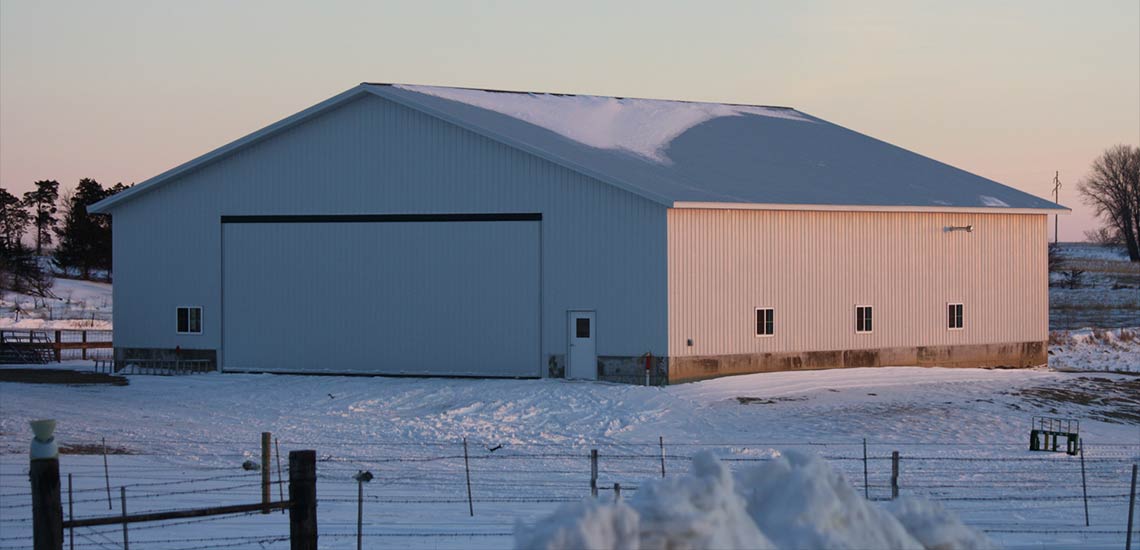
point(420, 491)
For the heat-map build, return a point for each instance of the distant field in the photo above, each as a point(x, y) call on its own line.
point(1109, 296)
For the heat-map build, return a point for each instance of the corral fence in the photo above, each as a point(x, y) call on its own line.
point(60, 344)
point(457, 493)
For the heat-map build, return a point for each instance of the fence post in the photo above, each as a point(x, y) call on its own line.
point(894, 475)
point(467, 466)
point(1084, 484)
point(661, 441)
point(359, 513)
point(58, 352)
point(866, 486)
point(265, 481)
point(43, 472)
point(280, 487)
point(594, 473)
point(303, 500)
point(617, 492)
point(107, 474)
point(123, 499)
point(1131, 507)
point(70, 513)
point(85, 345)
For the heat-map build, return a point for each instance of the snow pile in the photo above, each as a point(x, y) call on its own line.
point(934, 526)
point(795, 501)
point(644, 127)
point(1095, 350)
point(801, 502)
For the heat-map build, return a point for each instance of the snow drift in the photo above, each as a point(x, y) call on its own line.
point(795, 501)
point(644, 127)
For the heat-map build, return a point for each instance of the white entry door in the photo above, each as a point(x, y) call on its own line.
point(583, 356)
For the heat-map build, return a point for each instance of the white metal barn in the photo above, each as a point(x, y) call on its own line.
point(441, 231)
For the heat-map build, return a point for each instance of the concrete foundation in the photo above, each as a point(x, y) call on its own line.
point(621, 369)
point(1013, 355)
point(163, 354)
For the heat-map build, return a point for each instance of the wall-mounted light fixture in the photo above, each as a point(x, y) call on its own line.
point(966, 228)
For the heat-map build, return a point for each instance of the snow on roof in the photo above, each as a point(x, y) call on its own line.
point(683, 154)
point(689, 154)
point(644, 127)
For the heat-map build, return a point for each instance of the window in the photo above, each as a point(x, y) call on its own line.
point(862, 318)
point(954, 316)
point(582, 327)
point(765, 321)
point(189, 320)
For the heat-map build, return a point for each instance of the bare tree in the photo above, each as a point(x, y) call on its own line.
point(1113, 190)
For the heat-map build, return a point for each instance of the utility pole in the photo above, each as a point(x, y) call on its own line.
point(1057, 201)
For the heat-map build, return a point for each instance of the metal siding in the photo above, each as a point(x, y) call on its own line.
point(602, 248)
point(815, 267)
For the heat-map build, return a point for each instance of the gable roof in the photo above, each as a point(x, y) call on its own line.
point(686, 154)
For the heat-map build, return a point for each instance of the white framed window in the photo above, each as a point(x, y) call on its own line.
point(765, 321)
point(955, 319)
point(863, 322)
point(189, 320)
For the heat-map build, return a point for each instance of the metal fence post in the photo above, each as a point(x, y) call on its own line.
point(894, 475)
point(594, 473)
point(303, 500)
point(1131, 508)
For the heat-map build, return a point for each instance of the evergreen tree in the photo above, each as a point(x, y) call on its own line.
point(80, 236)
point(41, 202)
point(85, 239)
point(13, 220)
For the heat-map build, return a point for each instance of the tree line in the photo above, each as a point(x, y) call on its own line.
point(82, 240)
point(1113, 190)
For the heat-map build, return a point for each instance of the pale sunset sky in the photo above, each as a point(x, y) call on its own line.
point(1013, 91)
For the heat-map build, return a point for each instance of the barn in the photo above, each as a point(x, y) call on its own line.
point(420, 230)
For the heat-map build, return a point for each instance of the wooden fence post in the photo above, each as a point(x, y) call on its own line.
point(594, 473)
point(85, 345)
point(265, 481)
point(661, 442)
point(894, 475)
point(58, 351)
point(303, 500)
point(123, 500)
point(47, 510)
point(617, 492)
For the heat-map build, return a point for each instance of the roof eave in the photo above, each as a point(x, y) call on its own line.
point(867, 208)
point(105, 205)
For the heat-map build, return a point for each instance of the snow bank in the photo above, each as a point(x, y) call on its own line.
point(644, 127)
point(1095, 350)
point(795, 501)
point(934, 526)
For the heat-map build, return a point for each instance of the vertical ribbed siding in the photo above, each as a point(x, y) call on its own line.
point(602, 248)
point(815, 267)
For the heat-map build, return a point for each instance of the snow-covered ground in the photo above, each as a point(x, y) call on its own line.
point(75, 304)
point(1113, 350)
point(962, 435)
